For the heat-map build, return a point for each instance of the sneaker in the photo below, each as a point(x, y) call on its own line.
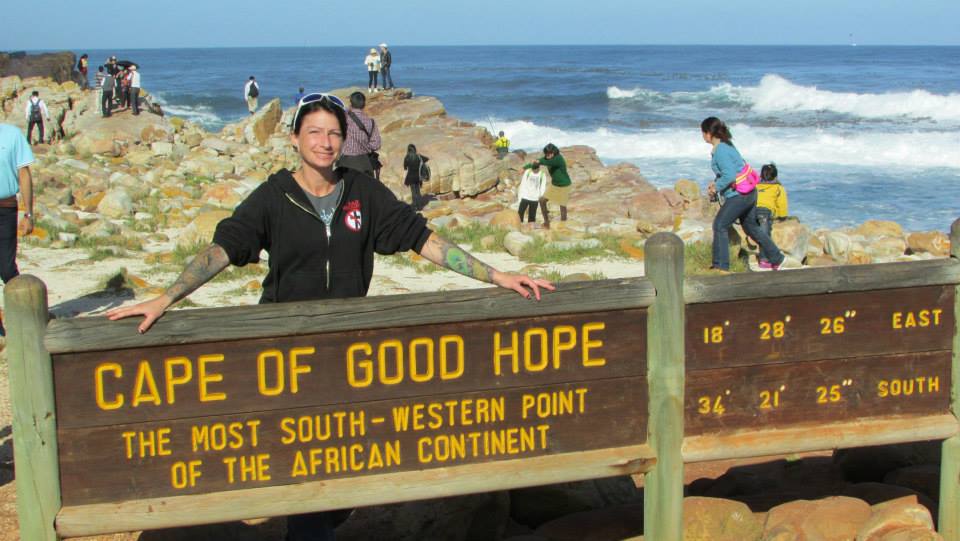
point(766, 265)
point(776, 267)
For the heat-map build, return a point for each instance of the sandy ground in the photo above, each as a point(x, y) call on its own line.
point(75, 287)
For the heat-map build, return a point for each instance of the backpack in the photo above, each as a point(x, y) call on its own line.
point(254, 90)
point(424, 171)
point(36, 114)
point(747, 179)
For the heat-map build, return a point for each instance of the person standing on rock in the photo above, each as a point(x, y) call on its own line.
point(386, 60)
point(726, 162)
point(559, 189)
point(321, 226)
point(135, 89)
point(251, 91)
point(373, 64)
point(35, 112)
point(15, 160)
point(106, 93)
point(413, 165)
point(502, 144)
point(83, 66)
point(533, 185)
point(360, 150)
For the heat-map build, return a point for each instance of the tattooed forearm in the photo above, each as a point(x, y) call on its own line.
point(207, 264)
point(447, 254)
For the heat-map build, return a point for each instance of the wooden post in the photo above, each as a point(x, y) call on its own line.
point(950, 461)
point(663, 486)
point(34, 420)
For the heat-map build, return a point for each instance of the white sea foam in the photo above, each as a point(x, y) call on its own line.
point(776, 94)
point(201, 114)
point(807, 146)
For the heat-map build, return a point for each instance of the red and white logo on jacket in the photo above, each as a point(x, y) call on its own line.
point(352, 217)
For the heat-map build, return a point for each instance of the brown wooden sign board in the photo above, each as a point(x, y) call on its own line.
point(202, 418)
point(817, 327)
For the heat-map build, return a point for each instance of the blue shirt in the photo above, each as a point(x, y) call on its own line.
point(726, 163)
point(15, 153)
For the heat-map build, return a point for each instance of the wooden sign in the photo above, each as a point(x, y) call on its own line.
point(821, 358)
point(201, 418)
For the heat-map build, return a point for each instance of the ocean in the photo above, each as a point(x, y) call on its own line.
point(857, 132)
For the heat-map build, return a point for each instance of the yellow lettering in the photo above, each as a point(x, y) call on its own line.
point(513, 352)
point(206, 379)
point(98, 385)
point(445, 372)
point(589, 344)
point(897, 320)
point(528, 363)
point(415, 374)
point(276, 356)
point(397, 348)
point(145, 378)
point(296, 369)
point(560, 345)
point(173, 380)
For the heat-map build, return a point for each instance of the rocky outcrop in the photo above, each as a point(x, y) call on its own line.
point(60, 67)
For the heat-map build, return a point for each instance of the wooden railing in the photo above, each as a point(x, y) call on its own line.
point(234, 413)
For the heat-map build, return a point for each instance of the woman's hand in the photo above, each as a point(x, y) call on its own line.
point(151, 310)
point(522, 284)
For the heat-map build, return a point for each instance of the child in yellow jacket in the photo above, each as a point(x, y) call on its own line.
point(771, 204)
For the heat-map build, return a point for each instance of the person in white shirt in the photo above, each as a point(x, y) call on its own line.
point(251, 91)
point(532, 186)
point(35, 112)
point(373, 69)
point(135, 89)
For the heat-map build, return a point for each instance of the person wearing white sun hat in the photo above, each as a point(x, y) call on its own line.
point(373, 68)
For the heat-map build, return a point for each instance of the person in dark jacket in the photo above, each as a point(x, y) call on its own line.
point(412, 163)
point(321, 226)
point(559, 189)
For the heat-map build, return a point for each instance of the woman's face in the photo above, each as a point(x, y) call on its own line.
point(319, 140)
point(707, 138)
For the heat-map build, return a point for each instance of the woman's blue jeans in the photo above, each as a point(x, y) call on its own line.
point(743, 208)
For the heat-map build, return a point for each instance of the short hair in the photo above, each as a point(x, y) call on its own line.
point(358, 100)
point(768, 172)
point(551, 149)
point(35, 93)
point(251, 77)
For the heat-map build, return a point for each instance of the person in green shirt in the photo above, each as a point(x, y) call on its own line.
point(559, 189)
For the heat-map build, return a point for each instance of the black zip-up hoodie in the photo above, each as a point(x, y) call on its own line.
point(308, 261)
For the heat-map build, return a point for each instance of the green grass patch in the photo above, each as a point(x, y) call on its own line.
point(472, 233)
point(183, 254)
point(698, 256)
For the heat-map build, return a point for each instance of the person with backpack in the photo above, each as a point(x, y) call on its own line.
point(35, 112)
point(502, 144)
point(771, 205)
point(735, 184)
point(559, 189)
point(363, 139)
point(417, 171)
point(533, 184)
point(251, 91)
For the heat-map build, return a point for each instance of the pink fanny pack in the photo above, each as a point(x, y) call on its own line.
point(747, 179)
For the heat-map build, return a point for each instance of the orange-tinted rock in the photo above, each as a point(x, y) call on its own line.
point(879, 228)
point(929, 242)
point(837, 518)
point(896, 514)
point(651, 207)
point(507, 219)
point(715, 519)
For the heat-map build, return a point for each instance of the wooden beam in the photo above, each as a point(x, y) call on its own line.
point(950, 458)
point(663, 493)
point(817, 281)
point(215, 507)
point(32, 400)
point(818, 437)
point(300, 318)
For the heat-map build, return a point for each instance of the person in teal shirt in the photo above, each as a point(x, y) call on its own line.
point(15, 160)
point(559, 189)
point(726, 163)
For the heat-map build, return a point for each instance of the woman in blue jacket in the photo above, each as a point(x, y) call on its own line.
point(726, 163)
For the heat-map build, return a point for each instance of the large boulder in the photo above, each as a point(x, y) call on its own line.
point(792, 237)
point(894, 515)
point(929, 242)
point(201, 229)
point(885, 248)
point(879, 228)
point(651, 207)
point(116, 203)
point(830, 519)
point(261, 125)
point(715, 519)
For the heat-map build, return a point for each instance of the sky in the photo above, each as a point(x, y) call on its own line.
point(106, 24)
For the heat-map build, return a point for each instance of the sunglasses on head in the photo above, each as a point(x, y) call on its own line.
point(315, 97)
